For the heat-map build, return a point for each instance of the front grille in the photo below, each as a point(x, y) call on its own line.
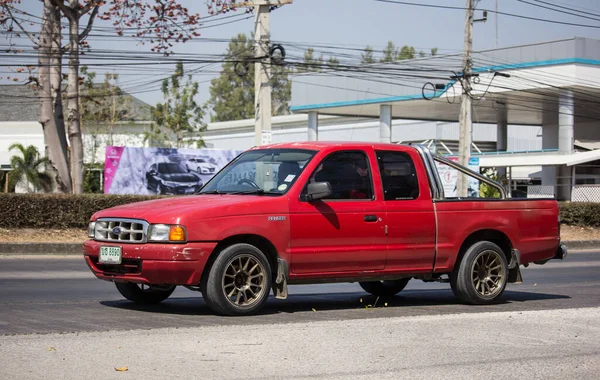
point(121, 230)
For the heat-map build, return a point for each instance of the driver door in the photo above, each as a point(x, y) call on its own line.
point(345, 231)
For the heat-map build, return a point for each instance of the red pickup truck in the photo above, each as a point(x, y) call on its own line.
point(315, 212)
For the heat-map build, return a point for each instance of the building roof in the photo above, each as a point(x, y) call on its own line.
point(18, 103)
point(540, 158)
point(21, 103)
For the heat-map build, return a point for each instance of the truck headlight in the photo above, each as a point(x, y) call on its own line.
point(91, 229)
point(167, 233)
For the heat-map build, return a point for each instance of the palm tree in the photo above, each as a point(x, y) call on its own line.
point(29, 166)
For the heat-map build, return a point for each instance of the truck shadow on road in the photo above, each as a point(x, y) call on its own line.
point(407, 302)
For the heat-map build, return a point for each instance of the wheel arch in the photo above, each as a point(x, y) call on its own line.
point(494, 236)
point(258, 241)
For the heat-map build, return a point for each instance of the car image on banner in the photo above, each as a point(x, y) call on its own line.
point(172, 178)
point(147, 171)
point(200, 165)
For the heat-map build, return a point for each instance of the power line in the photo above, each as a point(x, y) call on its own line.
point(491, 11)
point(558, 10)
point(568, 8)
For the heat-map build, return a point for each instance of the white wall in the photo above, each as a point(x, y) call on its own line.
point(25, 133)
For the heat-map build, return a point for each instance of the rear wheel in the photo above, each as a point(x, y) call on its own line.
point(144, 294)
point(239, 281)
point(384, 288)
point(481, 276)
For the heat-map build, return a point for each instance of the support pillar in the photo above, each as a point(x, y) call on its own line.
point(566, 121)
point(501, 133)
point(313, 126)
point(385, 123)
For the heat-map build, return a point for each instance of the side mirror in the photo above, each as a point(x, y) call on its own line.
point(318, 190)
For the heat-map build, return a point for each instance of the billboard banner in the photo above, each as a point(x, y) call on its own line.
point(449, 177)
point(147, 171)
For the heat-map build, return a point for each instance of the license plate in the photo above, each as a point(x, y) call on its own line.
point(110, 255)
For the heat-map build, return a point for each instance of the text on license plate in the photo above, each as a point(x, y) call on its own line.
point(110, 255)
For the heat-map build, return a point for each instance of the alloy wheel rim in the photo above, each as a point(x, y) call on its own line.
point(488, 274)
point(244, 281)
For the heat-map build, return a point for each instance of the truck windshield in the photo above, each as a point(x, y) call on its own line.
point(264, 171)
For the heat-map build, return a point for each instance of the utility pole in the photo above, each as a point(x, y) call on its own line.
point(496, 24)
point(262, 66)
point(465, 121)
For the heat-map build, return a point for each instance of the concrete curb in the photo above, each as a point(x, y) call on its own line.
point(41, 249)
point(76, 248)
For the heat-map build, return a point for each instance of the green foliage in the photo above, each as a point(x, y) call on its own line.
point(434, 51)
point(57, 210)
point(580, 214)
point(178, 120)
point(28, 166)
point(103, 103)
point(485, 190)
point(332, 63)
point(92, 178)
point(367, 56)
point(232, 95)
point(74, 211)
point(311, 62)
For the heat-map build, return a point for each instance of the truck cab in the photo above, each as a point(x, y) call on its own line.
point(314, 212)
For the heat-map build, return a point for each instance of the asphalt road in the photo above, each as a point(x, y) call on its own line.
point(57, 295)
point(58, 322)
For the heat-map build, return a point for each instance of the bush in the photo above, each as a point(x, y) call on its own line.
point(74, 211)
point(57, 210)
point(580, 214)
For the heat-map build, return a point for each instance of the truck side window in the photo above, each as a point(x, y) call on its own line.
point(398, 176)
point(348, 173)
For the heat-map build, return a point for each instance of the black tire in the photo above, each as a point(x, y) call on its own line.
point(384, 288)
point(144, 294)
point(229, 288)
point(481, 276)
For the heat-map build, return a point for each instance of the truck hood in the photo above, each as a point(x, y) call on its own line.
point(178, 210)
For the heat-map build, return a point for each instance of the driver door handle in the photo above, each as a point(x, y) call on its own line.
point(370, 218)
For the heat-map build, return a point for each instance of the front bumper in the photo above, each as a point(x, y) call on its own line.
point(561, 252)
point(149, 263)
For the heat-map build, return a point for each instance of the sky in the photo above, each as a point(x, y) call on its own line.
point(353, 24)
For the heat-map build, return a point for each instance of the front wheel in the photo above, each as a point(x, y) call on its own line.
point(239, 281)
point(481, 276)
point(384, 288)
point(144, 294)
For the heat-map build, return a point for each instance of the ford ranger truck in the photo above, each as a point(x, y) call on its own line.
point(317, 212)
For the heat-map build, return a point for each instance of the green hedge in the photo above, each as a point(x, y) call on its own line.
point(56, 210)
point(580, 214)
point(74, 211)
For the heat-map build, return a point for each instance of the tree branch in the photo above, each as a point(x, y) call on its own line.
point(88, 7)
point(12, 18)
point(90, 23)
point(67, 11)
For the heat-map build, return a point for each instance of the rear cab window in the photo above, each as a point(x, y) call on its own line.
point(398, 175)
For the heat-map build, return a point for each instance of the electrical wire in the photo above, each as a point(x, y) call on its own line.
point(491, 11)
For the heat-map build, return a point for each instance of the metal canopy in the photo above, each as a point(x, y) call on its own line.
point(532, 79)
point(537, 159)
